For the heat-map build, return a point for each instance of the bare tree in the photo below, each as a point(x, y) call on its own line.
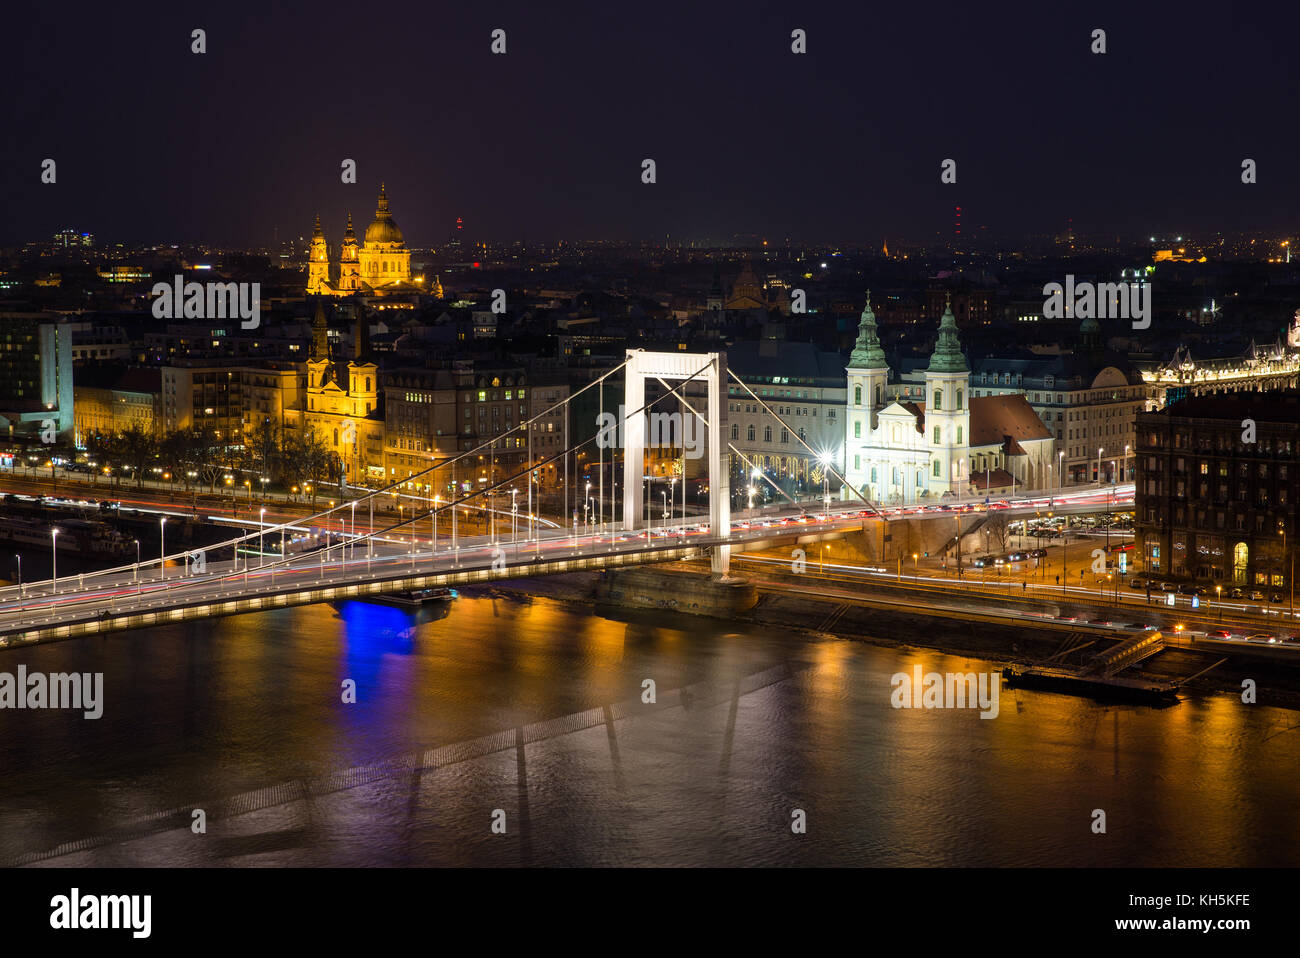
point(997, 527)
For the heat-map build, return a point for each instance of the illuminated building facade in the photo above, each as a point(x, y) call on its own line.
point(1216, 502)
point(944, 442)
point(1276, 366)
point(343, 403)
point(35, 375)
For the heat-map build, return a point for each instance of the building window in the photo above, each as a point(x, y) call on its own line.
point(959, 403)
point(936, 468)
point(857, 395)
point(767, 433)
point(938, 403)
point(938, 435)
point(857, 429)
point(751, 433)
point(959, 433)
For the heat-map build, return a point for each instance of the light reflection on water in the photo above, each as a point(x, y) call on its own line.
point(244, 717)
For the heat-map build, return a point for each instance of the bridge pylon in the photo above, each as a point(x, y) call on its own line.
point(711, 369)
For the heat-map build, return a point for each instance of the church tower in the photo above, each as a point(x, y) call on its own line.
point(349, 264)
point(363, 372)
point(947, 409)
point(713, 303)
point(318, 263)
point(318, 360)
point(868, 375)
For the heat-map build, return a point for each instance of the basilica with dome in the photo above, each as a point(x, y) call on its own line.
point(381, 263)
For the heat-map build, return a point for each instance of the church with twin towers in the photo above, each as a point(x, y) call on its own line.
point(941, 443)
point(380, 263)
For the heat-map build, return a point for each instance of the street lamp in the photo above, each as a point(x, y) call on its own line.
point(1281, 527)
point(672, 494)
point(136, 574)
point(162, 547)
point(54, 558)
point(1099, 451)
point(665, 495)
point(261, 527)
point(826, 490)
point(1218, 592)
point(1060, 471)
point(916, 570)
point(19, 559)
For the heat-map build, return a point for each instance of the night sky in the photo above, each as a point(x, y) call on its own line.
point(844, 144)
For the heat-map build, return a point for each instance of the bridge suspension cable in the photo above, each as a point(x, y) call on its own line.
point(303, 524)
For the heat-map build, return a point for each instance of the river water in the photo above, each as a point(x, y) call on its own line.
point(529, 713)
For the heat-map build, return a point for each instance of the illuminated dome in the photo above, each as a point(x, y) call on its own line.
point(384, 228)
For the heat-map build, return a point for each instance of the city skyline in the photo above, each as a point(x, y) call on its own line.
point(696, 435)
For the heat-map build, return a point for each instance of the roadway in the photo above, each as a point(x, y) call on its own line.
point(393, 563)
point(1061, 609)
point(378, 562)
